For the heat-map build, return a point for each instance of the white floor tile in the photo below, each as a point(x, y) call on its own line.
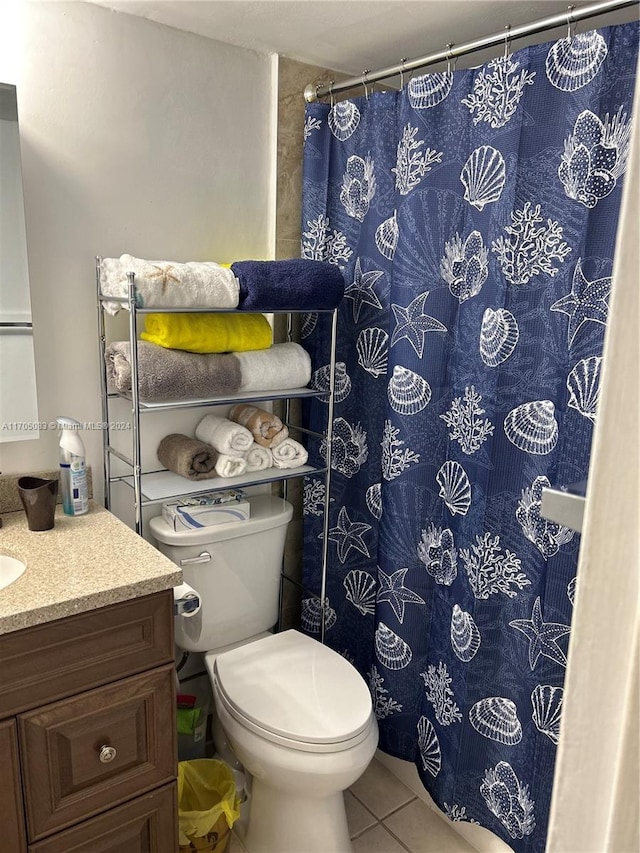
point(358, 817)
point(422, 831)
point(380, 791)
point(377, 840)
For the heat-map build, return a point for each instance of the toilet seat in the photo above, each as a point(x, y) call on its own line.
point(292, 690)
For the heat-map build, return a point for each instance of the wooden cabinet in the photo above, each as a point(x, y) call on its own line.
point(144, 825)
point(11, 820)
point(97, 766)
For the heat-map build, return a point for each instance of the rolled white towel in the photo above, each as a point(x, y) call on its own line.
point(258, 458)
point(289, 454)
point(230, 466)
point(224, 435)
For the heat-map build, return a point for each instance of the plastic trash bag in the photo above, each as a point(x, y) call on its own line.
point(208, 805)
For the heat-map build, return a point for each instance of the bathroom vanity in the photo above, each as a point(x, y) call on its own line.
point(87, 697)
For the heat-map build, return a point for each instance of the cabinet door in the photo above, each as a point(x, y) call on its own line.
point(88, 753)
point(147, 824)
point(11, 813)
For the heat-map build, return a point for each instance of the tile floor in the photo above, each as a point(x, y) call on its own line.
point(385, 816)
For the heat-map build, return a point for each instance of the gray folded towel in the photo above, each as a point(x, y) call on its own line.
point(166, 374)
point(188, 457)
point(173, 374)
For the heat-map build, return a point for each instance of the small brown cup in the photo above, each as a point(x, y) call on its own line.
point(38, 498)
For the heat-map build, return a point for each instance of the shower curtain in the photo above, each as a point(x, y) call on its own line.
point(473, 215)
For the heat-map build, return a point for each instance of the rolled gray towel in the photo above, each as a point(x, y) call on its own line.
point(188, 457)
point(166, 374)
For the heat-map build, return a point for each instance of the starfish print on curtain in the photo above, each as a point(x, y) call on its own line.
point(393, 590)
point(413, 324)
point(348, 534)
point(543, 636)
point(587, 302)
point(361, 290)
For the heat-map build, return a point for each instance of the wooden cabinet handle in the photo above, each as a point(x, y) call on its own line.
point(107, 753)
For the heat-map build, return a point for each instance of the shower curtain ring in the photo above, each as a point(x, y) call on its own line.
point(570, 21)
point(506, 41)
point(331, 99)
point(449, 57)
point(364, 82)
point(402, 62)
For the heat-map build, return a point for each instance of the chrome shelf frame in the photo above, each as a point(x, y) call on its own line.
point(138, 478)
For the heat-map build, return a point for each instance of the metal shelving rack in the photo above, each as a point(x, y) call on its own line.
point(153, 487)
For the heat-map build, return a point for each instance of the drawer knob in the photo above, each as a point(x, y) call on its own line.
point(107, 753)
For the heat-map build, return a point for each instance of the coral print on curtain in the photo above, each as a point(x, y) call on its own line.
point(474, 217)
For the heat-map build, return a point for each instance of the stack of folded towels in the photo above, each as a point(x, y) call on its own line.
point(250, 439)
point(197, 356)
point(188, 356)
point(298, 284)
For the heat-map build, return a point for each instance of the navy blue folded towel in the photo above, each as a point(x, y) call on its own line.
point(298, 283)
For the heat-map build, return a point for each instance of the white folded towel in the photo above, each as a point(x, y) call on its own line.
point(230, 466)
point(289, 454)
point(258, 458)
point(165, 284)
point(224, 435)
point(281, 366)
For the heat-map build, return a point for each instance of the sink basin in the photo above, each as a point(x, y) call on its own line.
point(10, 570)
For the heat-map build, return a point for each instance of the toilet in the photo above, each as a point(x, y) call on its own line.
point(297, 715)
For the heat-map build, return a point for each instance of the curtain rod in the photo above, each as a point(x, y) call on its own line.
point(313, 93)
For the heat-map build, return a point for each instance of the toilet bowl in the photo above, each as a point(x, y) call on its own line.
point(299, 718)
point(297, 715)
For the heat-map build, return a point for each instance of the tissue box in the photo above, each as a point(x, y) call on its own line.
point(206, 510)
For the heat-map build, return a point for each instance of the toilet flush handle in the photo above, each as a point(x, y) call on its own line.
point(203, 557)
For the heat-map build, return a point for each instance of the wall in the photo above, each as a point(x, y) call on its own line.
point(135, 138)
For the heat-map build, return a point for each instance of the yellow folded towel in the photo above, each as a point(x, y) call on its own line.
point(206, 333)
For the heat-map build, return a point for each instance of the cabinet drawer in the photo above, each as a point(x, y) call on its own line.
point(94, 751)
point(57, 659)
point(11, 812)
point(145, 825)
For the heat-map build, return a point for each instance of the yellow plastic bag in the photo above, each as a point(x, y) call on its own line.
point(207, 804)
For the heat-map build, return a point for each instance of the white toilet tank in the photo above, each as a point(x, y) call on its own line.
point(237, 574)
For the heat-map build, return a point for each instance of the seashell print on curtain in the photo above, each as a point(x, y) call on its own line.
point(474, 217)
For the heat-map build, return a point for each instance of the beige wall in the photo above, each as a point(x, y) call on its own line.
point(292, 78)
point(136, 138)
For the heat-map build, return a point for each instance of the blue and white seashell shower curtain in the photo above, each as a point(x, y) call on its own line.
point(474, 216)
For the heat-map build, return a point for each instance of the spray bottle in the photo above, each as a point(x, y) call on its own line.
point(73, 472)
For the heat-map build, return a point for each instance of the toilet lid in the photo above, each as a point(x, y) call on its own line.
point(293, 686)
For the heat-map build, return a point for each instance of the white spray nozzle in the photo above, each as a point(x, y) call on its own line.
point(68, 423)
